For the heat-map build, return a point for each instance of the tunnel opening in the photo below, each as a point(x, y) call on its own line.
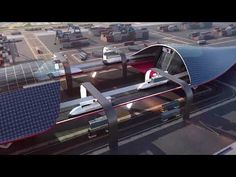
point(165, 58)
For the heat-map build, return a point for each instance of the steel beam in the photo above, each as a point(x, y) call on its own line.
point(69, 81)
point(187, 89)
point(124, 64)
point(110, 113)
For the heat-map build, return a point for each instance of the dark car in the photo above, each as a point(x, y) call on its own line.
point(202, 42)
point(97, 54)
point(39, 51)
point(129, 43)
point(48, 29)
point(135, 48)
point(16, 33)
point(83, 56)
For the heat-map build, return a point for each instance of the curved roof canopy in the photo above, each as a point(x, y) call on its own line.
point(203, 64)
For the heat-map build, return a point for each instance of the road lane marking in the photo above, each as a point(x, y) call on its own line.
point(27, 42)
point(34, 42)
point(73, 56)
point(44, 46)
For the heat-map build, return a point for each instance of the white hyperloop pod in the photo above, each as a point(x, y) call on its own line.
point(152, 80)
point(85, 106)
point(155, 79)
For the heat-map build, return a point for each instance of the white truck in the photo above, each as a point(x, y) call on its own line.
point(110, 55)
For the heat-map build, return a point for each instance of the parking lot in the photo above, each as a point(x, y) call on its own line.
point(39, 50)
point(44, 41)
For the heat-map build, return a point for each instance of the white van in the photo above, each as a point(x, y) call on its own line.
point(111, 55)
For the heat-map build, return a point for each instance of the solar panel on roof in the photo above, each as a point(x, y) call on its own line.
point(208, 63)
point(29, 111)
point(22, 74)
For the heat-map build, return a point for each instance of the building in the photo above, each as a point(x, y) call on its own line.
point(195, 25)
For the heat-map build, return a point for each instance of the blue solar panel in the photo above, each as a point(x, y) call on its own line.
point(28, 111)
point(207, 63)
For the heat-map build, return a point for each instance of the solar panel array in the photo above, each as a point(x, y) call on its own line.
point(14, 77)
point(29, 111)
point(207, 63)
